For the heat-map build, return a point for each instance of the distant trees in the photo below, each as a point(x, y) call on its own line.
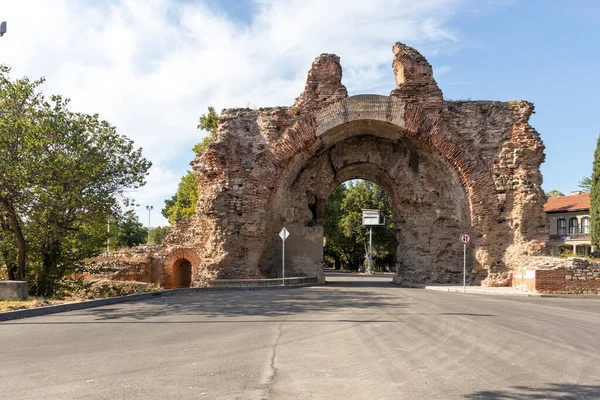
point(347, 240)
point(183, 203)
point(207, 122)
point(595, 198)
point(61, 174)
point(130, 231)
point(585, 184)
point(554, 193)
point(158, 234)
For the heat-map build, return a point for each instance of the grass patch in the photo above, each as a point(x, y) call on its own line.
point(30, 302)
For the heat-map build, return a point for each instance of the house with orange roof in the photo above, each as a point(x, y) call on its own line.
point(569, 220)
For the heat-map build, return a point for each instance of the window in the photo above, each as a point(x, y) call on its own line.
point(561, 224)
point(585, 225)
point(573, 226)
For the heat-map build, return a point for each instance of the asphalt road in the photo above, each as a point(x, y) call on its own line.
point(354, 338)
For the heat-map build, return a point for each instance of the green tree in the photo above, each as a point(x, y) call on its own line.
point(595, 198)
point(8, 252)
point(336, 243)
point(183, 204)
point(554, 193)
point(20, 133)
point(208, 122)
point(62, 174)
point(344, 214)
point(131, 232)
point(158, 234)
point(585, 184)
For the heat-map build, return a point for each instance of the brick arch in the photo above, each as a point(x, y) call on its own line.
point(425, 191)
point(174, 261)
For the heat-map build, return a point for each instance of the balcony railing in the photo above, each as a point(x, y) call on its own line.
point(570, 236)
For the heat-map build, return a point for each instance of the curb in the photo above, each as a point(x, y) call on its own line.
point(495, 293)
point(571, 296)
point(38, 311)
point(472, 291)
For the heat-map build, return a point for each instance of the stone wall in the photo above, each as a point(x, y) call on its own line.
point(447, 167)
point(554, 275)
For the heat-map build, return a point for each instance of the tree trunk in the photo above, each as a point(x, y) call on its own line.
point(11, 265)
point(337, 262)
point(15, 227)
point(47, 275)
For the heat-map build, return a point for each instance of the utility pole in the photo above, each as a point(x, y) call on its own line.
point(149, 208)
point(108, 237)
point(370, 250)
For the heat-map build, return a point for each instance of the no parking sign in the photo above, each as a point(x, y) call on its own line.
point(465, 239)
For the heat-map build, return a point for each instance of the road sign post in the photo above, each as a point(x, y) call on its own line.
point(284, 234)
point(370, 250)
point(371, 218)
point(465, 239)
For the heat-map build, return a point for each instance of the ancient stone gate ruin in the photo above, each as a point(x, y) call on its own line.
point(447, 167)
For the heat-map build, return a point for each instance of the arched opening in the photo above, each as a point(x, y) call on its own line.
point(346, 240)
point(428, 202)
point(182, 273)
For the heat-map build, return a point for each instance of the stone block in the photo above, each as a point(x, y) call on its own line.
point(13, 290)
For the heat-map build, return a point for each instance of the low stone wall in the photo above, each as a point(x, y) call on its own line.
point(121, 270)
point(560, 276)
point(140, 263)
point(13, 290)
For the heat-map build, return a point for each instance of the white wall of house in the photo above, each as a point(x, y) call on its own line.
point(572, 237)
point(567, 216)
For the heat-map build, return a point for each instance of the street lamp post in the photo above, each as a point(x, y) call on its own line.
point(108, 237)
point(149, 208)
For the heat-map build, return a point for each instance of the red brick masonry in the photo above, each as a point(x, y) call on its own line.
point(574, 275)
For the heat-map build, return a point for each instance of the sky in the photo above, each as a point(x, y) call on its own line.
point(152, 67)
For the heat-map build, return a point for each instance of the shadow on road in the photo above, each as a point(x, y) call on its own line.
point(344, 294)
point(550, 391)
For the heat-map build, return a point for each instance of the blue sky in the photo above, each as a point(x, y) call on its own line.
point(151, 67)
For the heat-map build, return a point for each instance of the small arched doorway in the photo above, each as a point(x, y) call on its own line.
point(182, 273)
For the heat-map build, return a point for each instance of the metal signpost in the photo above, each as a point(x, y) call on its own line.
point(149, 208)
point(284, 234)
point(371, 218)
point(465, 239)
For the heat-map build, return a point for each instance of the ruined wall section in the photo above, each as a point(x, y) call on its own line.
point(510, 153)
point(478, 138)
point(251, 177)
point(239, 172)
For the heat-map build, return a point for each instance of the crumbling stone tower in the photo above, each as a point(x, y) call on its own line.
point(447, 167)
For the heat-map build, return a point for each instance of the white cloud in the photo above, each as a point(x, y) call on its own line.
point(152, 67)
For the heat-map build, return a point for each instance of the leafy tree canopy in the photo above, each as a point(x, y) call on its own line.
point(347, 240)
point(585, 184)
point(595, 198)
point(183, 203)
point(158, 234)
point(61, 174)
point(554, 193)
point(131, 232)
point(207, 122)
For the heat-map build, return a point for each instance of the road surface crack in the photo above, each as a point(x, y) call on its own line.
point(271, 375)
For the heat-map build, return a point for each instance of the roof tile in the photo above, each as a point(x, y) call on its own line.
point(574, 202)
